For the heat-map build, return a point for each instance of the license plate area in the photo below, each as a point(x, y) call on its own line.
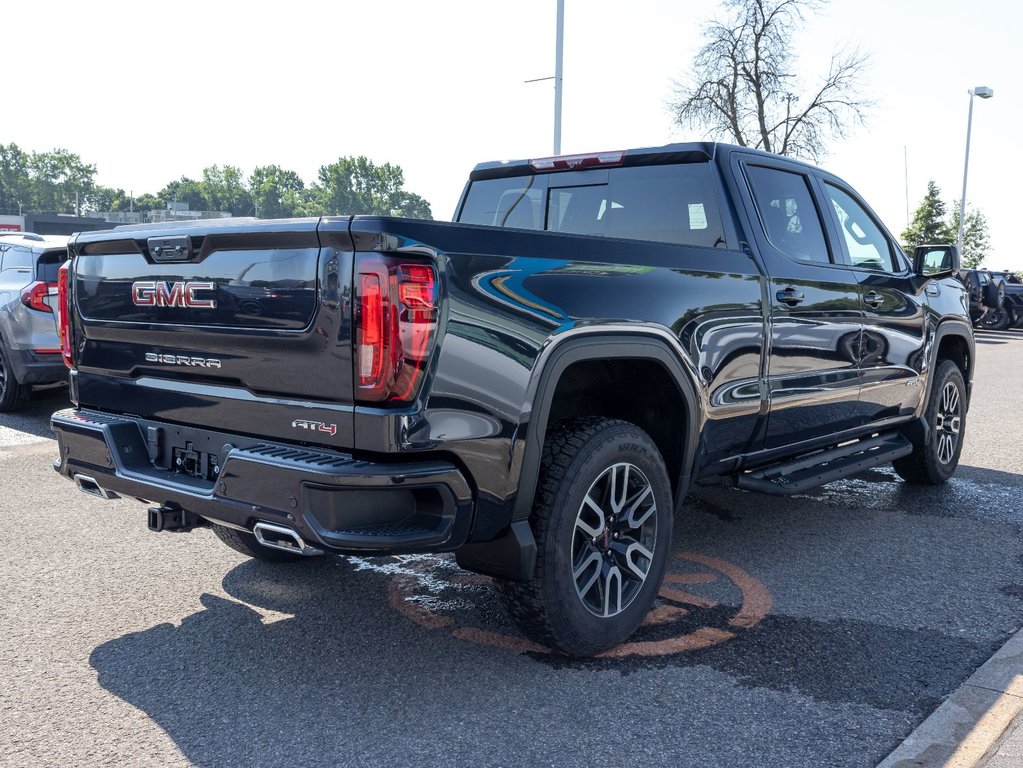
point(189, 461)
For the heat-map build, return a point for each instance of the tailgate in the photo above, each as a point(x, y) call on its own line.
point(235, 325)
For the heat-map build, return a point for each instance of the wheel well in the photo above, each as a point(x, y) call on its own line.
point(954, 348)
point(636, 390)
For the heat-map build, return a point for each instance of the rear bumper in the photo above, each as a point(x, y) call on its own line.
point(34, 368)
point(335, 502)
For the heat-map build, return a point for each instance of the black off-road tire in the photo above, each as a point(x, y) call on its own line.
point(926, 465)
point(995, 319)
point(244, 542)
point(551, 608)
point(994, 293)
point(13, 395)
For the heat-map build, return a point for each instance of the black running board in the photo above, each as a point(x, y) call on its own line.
point(842, 461)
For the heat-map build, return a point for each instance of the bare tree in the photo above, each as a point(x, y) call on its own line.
point(743, 86)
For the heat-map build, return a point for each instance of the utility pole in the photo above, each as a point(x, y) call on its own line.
point(905, 167)
point(559, 56)
point(985, 93)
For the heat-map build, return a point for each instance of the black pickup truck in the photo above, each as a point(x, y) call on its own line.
point(534, 387)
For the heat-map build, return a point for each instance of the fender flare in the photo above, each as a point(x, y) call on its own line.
point(648, 344)
point(962, 329)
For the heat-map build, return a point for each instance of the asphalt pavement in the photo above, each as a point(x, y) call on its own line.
point(818, 630)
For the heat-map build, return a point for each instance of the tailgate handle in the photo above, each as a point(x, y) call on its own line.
point(177, 248)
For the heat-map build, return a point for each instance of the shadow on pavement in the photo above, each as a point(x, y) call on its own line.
point(335, 676)
point(34, 418)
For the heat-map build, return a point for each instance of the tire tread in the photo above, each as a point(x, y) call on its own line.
point(537, 618)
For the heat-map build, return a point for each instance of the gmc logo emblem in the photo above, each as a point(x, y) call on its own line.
point(157, 293)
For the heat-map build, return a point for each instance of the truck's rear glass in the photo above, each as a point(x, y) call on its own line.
point(662, 203)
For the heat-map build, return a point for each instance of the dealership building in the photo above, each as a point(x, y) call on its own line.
point(51, 223)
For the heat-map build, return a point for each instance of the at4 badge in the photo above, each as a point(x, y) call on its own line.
point(315, 426)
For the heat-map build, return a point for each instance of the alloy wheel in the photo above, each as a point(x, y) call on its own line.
point(948, 422)
point(614, 538)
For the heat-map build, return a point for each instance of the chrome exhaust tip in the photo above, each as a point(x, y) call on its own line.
point(89, 485)
point(283, 538)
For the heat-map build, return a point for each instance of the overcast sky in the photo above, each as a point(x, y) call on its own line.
point(152, 91)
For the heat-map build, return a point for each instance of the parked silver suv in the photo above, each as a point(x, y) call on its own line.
point(29, 345)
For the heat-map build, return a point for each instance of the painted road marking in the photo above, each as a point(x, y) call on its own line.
point(431, 591)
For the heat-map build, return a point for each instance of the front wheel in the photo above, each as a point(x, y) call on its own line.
point(935, 461)
point(602, 521)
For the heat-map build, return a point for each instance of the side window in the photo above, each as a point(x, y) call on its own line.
point(788, 213)
point(867, 244)
point(17, 258)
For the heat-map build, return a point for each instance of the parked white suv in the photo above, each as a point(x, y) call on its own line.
point(29, 345)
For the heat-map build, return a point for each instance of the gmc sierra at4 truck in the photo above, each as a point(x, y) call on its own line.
point(533, 387)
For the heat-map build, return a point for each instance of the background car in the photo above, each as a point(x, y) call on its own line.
point(987, 293)
point(1010, 313)
point(29, 345)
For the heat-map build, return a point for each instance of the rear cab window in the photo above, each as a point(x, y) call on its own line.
point(672, 203)
point(48, 264)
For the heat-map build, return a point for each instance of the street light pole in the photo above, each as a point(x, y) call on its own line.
point(559, 55)
point(985, 93)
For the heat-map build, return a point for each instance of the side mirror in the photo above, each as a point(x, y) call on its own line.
point(936, 260)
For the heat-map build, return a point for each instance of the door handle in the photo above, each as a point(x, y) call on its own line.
point(790, 296)
point(873, 299)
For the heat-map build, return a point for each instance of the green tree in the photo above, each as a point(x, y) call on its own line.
point(15, 187)
point(184, 190)
point(930, 222)
point(355, 185)
point(223, 189)
point(277, 193)
point(103, 199)
point(59, 181)
point(744, 83)
point(976, 242)
point(148, 202)
point(934, 222)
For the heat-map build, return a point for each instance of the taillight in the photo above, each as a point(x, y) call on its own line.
point(64, 313)
point(34, 296)
point(396, 324)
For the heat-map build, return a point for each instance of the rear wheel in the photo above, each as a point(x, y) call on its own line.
point(12, 394)
point(602, 521)
point(995, 319)
point(934, 462)
point(245, 542)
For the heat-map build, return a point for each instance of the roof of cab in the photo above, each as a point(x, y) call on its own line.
point(687, 152)
point(34, 241)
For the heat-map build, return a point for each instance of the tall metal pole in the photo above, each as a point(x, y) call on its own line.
point(982, 91)
point(905, 166)
point(559, 54)
point(966, 169)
